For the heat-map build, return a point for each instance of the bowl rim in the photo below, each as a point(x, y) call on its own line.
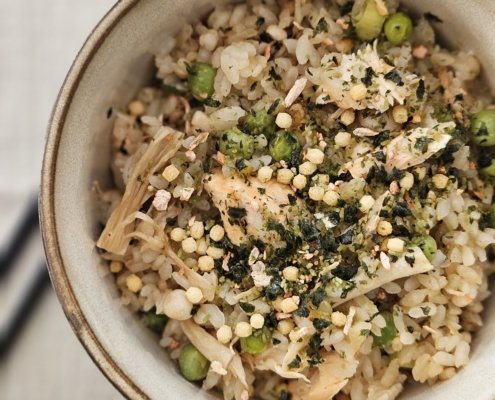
point(55, 263)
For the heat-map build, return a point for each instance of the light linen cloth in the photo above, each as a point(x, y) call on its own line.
point(38, 41)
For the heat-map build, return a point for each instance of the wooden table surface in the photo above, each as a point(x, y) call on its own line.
point(38, 41)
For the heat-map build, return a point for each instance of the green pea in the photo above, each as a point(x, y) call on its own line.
point(193, 365)
point(257, 342)
point(492, 216)
point(236, 144)
point(156, 322)
point(201, 80)
point(483, 128)
point(443, 114)
point(283, 145)
point(429, 246)
point(388, 332)
point(259, 123)
point(367, 20)
point(398, 28)
point(490, 170)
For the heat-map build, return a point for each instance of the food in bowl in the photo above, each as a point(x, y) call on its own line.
point(303, 203)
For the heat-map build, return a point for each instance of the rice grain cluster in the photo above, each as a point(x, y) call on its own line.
point(303, 205)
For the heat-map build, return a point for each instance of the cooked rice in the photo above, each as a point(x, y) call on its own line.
point(300, 58)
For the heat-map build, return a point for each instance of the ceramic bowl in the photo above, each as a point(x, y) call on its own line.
point(115, 61)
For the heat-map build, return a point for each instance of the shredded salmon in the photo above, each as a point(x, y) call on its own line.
point(420, 52)
point(268, 51)
point(220, 157)
point(342, 23)
point(328, 42)
point(479, 195)
point(408, 200)
point(445, 78)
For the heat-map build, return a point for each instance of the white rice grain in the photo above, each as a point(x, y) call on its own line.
point(445, 359)
point(461, 354)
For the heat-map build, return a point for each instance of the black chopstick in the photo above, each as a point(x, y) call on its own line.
point(24, 310)
point(29, 222)
point(38, 280)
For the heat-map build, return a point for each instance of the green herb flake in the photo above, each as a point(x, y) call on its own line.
point(347, 237)
point(388, 61)
point(422, 143)
point(190, 69)
point(195, 309)
point(237, 271)
point(347, 288)
point(315, 342)
point(236, 213)
point(210, 102)
point(274, 74)
point(315, 359)
point(410, 260)
point(318, 296)
point(308, 230)
point(320, 324)
point(334, 217)
point(401, 210)
point(346, 271)
point(265, 37)
point(295, 363)
point(368, 78)
point(351, 213)
point(321, 27)
point(328, 243)
point(247, 307)
point(240, 164)
point(380, 156)
point(395, 77)
point(302, 312)
point(274, 106)
point(381, 137)
point(274, 289)
point(420, 90)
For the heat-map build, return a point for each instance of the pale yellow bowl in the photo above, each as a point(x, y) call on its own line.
point(115, 61)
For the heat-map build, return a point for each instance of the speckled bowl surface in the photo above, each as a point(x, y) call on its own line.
point(115, 61)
